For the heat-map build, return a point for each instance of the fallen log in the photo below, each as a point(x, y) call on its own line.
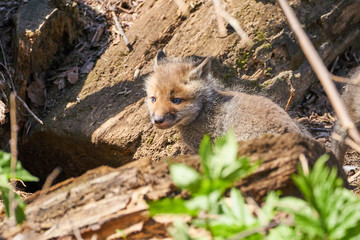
point(106, 199)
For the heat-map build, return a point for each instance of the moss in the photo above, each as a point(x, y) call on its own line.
point(260, 36)
point(242, 59)
point(150, 139)
point(230, 72)
point(267, 46)
point(269, 71)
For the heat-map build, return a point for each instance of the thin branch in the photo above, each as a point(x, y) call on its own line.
point(3, 53)
point(17, 96)
point(292, 93)
point(321, 72)
point(234, 24)
point(355, 81)
point(29, 110)
point(183, 7)
point(121, 31)
point(13, 149)
point(304, 164)
point(353, 177)
point(220, 18)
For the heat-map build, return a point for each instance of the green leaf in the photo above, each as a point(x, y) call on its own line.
point(180, 231)
point(282, 232)
point(329, 211)
point(185, 177)
point(20, 216)
point(23, 174)
point(5, 198)
point(20, 172)
point(5, 159)
point(204, 153)
point(4, 181)
point(170, 206)
point(240, 209)
point(221, 162)
point(207, 202)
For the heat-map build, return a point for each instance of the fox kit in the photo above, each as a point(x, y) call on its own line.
point(351, 97)
point(183, 94)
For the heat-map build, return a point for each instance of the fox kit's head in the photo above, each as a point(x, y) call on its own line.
point(176, 91)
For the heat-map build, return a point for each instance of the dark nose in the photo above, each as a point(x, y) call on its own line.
point(159, 119)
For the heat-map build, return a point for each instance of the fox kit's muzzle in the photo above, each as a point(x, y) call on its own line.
point(163, 121)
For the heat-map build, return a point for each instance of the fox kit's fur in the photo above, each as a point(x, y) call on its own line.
point(181, 94)
point(351, 97)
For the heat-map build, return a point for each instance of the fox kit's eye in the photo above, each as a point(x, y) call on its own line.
point(153, 99)
point(176, 100)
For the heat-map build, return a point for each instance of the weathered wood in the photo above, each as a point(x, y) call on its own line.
point(105, 199)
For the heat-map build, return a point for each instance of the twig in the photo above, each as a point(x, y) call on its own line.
point(125, 10)
point(17, 96)
point(121, 31)
point(183, 7)
point(347, 141)
point(304, 164)
point(234, 23)
point(220, 19)
point(3, 53)
point(292, 93)
point(334, 64)
point(13, 149)
point(29, 110)
point(321, 72)
point(355, 81)
point(353, 177)
point(49, 180)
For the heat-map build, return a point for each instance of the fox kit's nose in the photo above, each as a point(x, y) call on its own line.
point(159, 119)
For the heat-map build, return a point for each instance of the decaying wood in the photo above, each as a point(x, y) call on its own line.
point(105, 199)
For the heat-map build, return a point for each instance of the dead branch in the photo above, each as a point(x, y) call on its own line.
point(13, 150)
point(355, 81)
point(3, 53)
point(220, 19)
point(353, 177)
point(183, 7)
point(234, 24)
point(17, 96)
point(292, 93)
point(121, 31)
point(321, 72)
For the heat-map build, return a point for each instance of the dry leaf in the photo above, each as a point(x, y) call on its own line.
point(60, 82)
point(72, 75)
point(88, 67)
point(37, 92)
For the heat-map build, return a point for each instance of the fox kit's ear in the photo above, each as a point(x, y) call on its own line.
point(203, 70)
point(160, 57)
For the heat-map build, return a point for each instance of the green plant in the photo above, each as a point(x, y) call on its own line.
point(220, 169)
point(5, 176)
point(328, 210)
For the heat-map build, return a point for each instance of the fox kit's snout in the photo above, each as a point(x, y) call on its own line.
point(183, 93)
point(174, 91)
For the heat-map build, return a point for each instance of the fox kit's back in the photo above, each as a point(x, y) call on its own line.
point(183, 94)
